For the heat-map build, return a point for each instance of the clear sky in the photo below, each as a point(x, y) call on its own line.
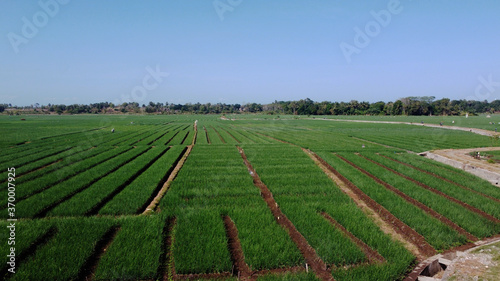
point(239, 51)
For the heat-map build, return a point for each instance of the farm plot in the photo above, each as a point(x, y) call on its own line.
point(199, 198)
point(336, 211)
point(305, 203)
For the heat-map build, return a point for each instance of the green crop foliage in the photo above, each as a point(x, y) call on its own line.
point(67, 251)
point(135, 251)
point(77, 181)
point(136, 194)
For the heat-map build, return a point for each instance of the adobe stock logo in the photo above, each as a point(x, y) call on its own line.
point(40, 19)
point(485, 88)
point(221, 7)
point(363, 37)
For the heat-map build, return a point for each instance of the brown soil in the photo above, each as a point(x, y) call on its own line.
point(237, 256)
point(415, 202)
point(220, 137)
point(206, 134)
point(310, 255)
point(441, 178)
point(407, 232)
point(465, 205)
point(167, 266)
point(87, 272)
point(372, 255)
point(166, 185)
point(385, 226)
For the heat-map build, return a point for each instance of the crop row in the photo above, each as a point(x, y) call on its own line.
point(35, 164)
point(304, 200)
point(72, 244)
point(90, 200)
point(436, 233)
point(133, 198)
point(452, 174)
point(37, 182)
point(453, 191)
point(38, 203)
point(199, 197)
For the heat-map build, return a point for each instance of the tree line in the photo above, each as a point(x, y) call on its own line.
point(419, 106)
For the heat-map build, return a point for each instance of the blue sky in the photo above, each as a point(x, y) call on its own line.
point(248, 51)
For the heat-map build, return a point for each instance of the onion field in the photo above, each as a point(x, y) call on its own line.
point(200, 197)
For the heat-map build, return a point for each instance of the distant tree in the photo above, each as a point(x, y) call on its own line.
point(397, 108)
point(2, 107)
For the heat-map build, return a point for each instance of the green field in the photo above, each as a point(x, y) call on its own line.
point(81, 196)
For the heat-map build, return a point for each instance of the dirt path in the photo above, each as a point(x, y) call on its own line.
point(472, 130)
point(152, 206)
point(310, 255)
point(416, 203)
point(460, 158)
point(237, 256)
